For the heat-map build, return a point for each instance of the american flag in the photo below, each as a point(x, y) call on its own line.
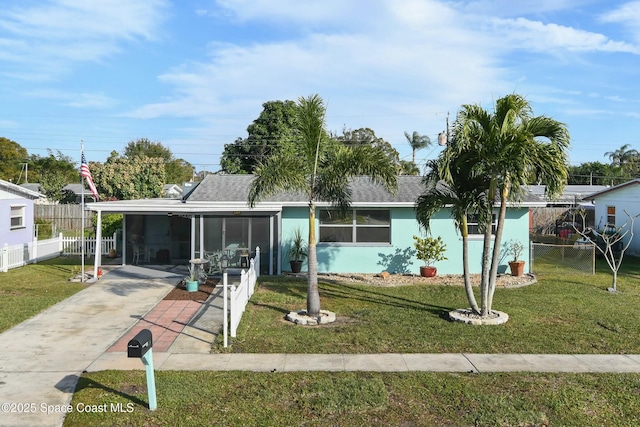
point(84, 172)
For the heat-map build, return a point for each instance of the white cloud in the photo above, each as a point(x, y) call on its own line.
point(53, 35)
point(537, 36)
point(76, 100)
point(628, 15)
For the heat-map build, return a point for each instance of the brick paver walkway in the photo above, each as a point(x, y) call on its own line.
point(165, 322)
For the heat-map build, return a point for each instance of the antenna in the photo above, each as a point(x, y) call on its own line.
point(443, 137)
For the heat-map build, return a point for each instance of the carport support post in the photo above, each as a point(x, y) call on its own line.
point(147, 359)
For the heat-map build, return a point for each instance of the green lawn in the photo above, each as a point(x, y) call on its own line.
point(360, 399)
point(27, 290)
point(562, 313)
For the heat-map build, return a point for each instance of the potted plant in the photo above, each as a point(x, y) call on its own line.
point(191, 281)
point(297, 252)
point(429, 250)
point(515, 248)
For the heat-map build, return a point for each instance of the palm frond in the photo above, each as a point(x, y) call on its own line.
point(281, 172)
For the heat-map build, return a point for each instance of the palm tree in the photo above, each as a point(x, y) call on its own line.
point(417, 142)
point(510, 147)
point(320, 168)
point(626, 158)
point(449, 185)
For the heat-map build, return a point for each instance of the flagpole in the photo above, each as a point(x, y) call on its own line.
point(82, 204)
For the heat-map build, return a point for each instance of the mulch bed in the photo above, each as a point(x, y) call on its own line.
point(202, 294)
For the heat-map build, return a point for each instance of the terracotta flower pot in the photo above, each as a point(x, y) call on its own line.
point(428, 271)
point(517, 268)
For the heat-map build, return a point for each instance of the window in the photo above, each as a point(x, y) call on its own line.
point(474, 227)
point(357, 226)
point(17, 217)
point(611, 215)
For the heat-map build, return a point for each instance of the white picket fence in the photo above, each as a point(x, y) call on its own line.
point(38, 250)
point(239, 295)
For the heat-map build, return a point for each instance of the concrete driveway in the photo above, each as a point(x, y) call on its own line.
point(41, 358)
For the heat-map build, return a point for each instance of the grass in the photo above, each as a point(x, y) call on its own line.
point(562, 313)
point(357, 399)
point(30, 289)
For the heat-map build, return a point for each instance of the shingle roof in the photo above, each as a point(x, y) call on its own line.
point(235, 188)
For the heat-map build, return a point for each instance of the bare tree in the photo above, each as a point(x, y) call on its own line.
point(608, 241)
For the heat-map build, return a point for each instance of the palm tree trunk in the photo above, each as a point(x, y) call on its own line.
point(504, 194)
point(464, 231)
point(486, 253)
point(313, 295)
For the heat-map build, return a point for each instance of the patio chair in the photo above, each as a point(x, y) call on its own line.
point(137, 250)
point(214, 261)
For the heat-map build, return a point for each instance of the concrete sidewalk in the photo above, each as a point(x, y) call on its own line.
point(42, 358)
point(386, 362)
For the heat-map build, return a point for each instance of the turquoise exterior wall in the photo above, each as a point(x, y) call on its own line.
point(399, 257)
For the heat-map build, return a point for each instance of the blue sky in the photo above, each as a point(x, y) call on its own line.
point(193, 74)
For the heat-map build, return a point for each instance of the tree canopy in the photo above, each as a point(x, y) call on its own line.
point(12, 157)
point(270, 133)
point(124, 178)
point(177, 171)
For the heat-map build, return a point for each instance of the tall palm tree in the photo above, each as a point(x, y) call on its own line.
point(320, 168)
point(417, 142)
point(626, 158)
point(448, 184)
point(510, 146)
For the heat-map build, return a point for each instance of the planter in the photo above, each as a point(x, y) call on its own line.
point(428, 271)
point(192, 286)
point(296, 266)
point(517, 268)
point(112, 253)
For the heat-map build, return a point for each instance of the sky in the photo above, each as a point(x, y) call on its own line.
point(193, 74)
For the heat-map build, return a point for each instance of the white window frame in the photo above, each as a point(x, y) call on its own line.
point(18, 212)
point(354, 226)
point(472, 220)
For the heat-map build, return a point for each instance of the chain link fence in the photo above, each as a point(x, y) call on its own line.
point(577, 258)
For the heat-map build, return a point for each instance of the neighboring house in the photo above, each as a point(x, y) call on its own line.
point(79, 191)
point(37, 188)
point(610, 207)
point(172, 191)
point(377, 235)
point(555, 216)
point(16, 213)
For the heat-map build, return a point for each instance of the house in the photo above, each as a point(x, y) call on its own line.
point(37, 188)
point(555, 216)
point(375, 235)
point(78, 190)
point(16, 214)
point(610, 206)
point(172, 191)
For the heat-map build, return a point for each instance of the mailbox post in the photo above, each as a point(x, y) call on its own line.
point(140, 346)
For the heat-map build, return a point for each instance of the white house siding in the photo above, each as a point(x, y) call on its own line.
point(19, 235)
point(626, 198)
